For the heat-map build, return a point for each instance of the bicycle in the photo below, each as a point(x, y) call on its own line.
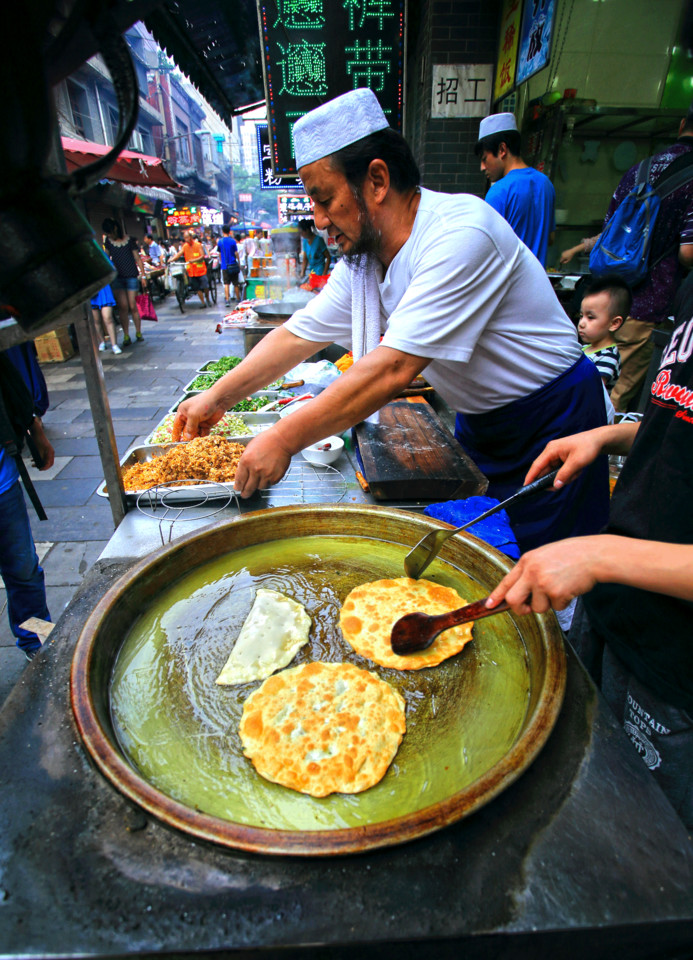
point(182, 288)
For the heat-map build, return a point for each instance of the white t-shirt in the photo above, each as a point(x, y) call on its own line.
point(464, 291)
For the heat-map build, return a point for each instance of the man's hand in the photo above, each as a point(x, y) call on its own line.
point(196, 417)
point(551, 576)
point(572, 454)
point(568, 254)
point(264, 462)
point(43, 444)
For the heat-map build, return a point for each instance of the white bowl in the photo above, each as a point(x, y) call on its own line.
point(314, 455)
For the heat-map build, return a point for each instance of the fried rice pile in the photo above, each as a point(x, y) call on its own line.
point(205, 458)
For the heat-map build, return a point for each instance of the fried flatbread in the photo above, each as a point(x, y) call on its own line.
point(274, 631)
point(323, 728)
point(371, 609)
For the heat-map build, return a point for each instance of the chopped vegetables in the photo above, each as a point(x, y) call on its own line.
point(222, 365)
point(228, 426)
point(203, 382)
point(250, 404)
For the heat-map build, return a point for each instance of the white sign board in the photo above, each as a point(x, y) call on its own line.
point(461, 90)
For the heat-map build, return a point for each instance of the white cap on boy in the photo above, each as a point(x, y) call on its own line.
point(337, 124)
point(497, 123)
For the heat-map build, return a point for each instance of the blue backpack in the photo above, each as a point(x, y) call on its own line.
point(625, 243)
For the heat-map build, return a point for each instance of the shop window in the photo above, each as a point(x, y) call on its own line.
point(113, 120)
point(183, 143)
point(79, 105)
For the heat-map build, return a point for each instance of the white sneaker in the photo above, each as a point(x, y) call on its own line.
point(116, 349)
point(102, 346)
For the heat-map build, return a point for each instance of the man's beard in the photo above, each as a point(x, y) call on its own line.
point(369, 240)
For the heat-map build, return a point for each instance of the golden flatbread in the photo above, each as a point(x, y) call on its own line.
point(369, 612)
point(323, 728)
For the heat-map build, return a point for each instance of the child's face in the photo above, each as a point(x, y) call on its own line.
point(596, 319)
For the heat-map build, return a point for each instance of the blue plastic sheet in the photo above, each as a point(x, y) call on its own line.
point(496, 530)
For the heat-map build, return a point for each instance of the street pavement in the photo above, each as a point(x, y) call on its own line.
point(142, 384)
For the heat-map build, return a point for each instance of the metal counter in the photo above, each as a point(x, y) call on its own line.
point(139, 534)
point(581, 856)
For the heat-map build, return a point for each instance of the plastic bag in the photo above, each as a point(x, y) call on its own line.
point(320, 374)
point(145, 307)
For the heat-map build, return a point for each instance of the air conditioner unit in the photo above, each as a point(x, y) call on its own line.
point(136, 142)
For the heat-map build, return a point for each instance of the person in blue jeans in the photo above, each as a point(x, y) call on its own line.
point(19, 565)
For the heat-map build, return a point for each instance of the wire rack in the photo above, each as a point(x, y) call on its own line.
point(307, 483)
point(172, 502)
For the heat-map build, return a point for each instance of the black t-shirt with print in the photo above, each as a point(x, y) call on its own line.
point(653, 500)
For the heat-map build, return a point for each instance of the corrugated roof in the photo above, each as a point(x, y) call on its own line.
point(217, 44)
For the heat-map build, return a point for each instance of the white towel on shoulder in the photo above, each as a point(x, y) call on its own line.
point(365, 307)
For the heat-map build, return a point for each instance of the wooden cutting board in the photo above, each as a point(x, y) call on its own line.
point(409, 454)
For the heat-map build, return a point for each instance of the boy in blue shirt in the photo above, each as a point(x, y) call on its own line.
point(522, 195)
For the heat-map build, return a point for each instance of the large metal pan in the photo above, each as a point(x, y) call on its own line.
point(164, 734)
point(276, 311)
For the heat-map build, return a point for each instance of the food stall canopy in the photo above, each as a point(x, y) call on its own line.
point(134, 168)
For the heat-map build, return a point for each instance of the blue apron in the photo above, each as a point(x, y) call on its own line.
point(504, 442)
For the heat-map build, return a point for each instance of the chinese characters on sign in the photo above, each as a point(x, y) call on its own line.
point(293, 207)
point(461, 90)
point(268, 181)
point(511, 16)
point(314, 50)
point(193, 217)
point(535, 38)
point(184, 217)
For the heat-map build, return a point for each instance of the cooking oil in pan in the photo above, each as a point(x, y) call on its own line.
point(179, 729)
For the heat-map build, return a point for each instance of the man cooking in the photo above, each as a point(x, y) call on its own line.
point(452, 291)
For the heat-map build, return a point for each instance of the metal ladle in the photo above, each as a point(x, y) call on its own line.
point(428, 548)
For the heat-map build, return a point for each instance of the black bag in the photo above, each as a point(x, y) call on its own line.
point(16, 417)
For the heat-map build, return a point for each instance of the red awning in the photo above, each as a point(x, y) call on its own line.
point(133, 168)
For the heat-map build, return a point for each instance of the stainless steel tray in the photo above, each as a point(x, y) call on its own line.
point(205, 366)
point(270, 394)
point(257, 422)
point(188, 388)
point(182, 494)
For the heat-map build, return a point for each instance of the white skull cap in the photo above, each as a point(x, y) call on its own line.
point(497, 123)
point(336, 124)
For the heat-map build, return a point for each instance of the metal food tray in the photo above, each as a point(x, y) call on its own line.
point(147, 452)
point(188, 388)
point(270, 394)
point(205, 366)
point(259, 420)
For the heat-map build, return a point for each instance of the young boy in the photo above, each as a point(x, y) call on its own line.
point(604, 308)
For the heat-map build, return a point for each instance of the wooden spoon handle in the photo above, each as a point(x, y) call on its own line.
point(473, 611)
